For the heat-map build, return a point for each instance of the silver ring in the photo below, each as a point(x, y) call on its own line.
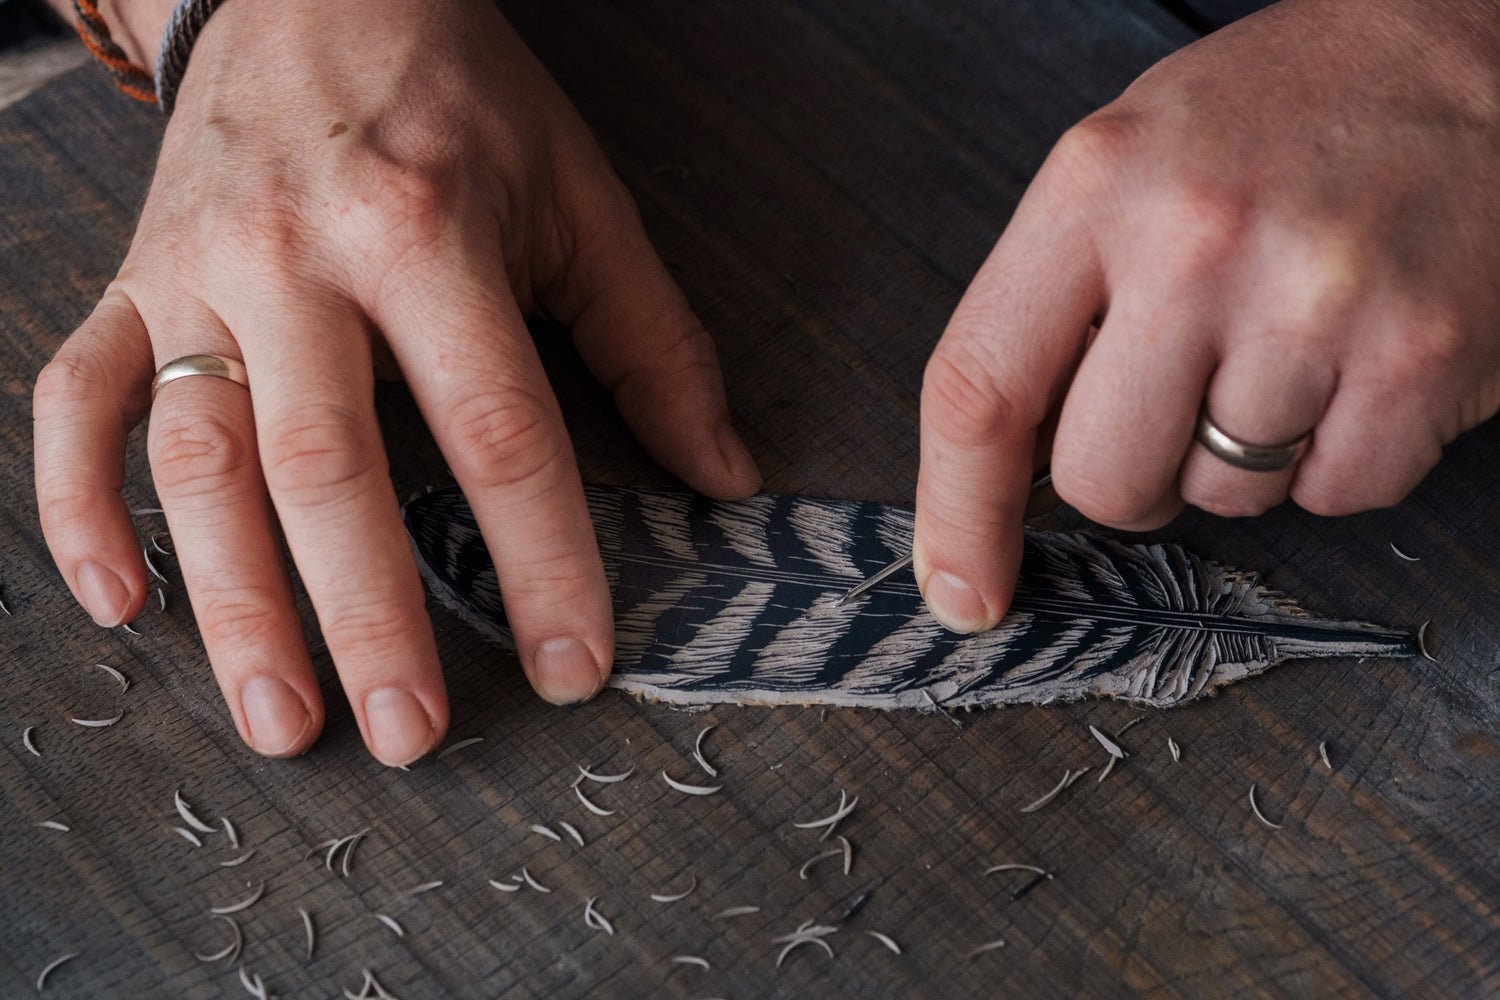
point(1247, 456)
point(215, 365)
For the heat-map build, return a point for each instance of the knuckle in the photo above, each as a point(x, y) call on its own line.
point(962, 402)
point(959, 530)
point(396, 215)
point(1337, 490)
point(1324, 497)
point(557, 583)
point(64, 502)
point(1207, 221)
point(1200, 217)
point(502, 438)
point(319, 450)
point(393, 206)
point(1231, 502)
point(264, 241)
point(240, 618)
point(687, 359)
point(1091, 150)
point(689, 345)
point(1109, 500)
point(1429, 348)
point(74, 373)
point(198, 453)
point(370, 628)
point(258, 229)
point(605, 197)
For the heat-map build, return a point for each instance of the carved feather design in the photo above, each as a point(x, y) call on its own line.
point(734, 602)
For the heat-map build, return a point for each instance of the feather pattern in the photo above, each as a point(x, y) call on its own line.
point(719, 601)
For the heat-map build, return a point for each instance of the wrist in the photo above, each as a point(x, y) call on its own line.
point(300, 57)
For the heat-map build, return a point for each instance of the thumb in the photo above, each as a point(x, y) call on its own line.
point(633, 327)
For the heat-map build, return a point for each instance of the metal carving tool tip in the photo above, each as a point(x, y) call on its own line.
point(1043, 479)
point(868, 582)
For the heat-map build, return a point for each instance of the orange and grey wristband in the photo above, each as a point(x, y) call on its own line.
point(183, 27)
point(129, 77)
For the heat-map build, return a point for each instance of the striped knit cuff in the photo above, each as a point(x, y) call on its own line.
point(183, 27)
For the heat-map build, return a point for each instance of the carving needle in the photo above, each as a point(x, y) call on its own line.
point(859, 588)
point(868, 582)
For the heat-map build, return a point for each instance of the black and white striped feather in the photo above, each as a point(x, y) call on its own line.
point(720, 601)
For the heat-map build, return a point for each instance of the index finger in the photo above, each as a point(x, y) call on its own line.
point(997, 372)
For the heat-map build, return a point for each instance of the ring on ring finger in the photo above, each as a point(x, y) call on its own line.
point(1248, 456)
point(214, 365)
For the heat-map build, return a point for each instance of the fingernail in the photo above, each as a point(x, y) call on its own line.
point(276, 717)
point(104, 595)
point(566, 672)
point(737, 457)
point(955, 604)
point(399, 727)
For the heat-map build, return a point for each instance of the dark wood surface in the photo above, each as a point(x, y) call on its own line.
point(823, 178)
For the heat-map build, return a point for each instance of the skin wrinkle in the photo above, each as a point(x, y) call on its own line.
point(380, 622)
point(400, 215)
point(551, 236)
point(66, 503)
point(57, 491)
point(634, 388)
point(659, 366)
point(237, 617)
point(978, 531)
point(194, 453)
point(575, 291)
point(324, 514)
point(102, 377)
point(958, 396)
point(529, 566)
point(339, 579)
point(504, 438)
point(460, 371)
point(314, 453)
point(223, 513)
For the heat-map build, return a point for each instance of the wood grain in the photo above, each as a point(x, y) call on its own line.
point(822, 179)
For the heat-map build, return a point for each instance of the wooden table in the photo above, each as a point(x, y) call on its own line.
point(823, 179)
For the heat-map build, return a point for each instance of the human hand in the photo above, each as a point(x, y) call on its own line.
point(1290, 225)
point(343, 182)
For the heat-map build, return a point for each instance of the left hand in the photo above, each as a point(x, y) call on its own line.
point(341, 182)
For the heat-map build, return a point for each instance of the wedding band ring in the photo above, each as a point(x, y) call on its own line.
point(1250, 457)
point(215, 365)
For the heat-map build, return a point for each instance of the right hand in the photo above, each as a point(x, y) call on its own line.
point(1290, 226)
point(344, 182)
